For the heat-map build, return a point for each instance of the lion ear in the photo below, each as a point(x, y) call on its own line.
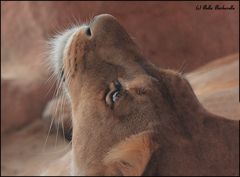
point(129, 157)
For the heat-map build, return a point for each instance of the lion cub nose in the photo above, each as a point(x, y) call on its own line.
point(103, 17)
point(106, 28)
point(104, 24)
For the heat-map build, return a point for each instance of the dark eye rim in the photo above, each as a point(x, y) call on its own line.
point(117, 85)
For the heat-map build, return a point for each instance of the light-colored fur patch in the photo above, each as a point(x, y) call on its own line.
point(57, 46)
point(129, 157)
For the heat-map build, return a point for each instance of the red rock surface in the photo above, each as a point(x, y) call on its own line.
point(169, 34)
point(22, 102)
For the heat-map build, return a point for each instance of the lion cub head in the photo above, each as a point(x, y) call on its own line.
point(117, 98)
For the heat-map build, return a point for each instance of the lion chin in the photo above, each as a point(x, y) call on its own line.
point(128, 117)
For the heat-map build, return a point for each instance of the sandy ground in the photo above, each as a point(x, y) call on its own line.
point(24, 152)
point(26, 148)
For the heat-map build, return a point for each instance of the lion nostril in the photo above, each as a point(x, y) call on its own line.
point(88, 31)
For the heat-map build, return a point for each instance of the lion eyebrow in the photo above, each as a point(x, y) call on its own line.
point(120, 70)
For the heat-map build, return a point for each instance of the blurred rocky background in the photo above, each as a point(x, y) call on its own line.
point(171, 35)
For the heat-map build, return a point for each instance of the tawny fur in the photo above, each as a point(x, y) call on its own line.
point(109, 138)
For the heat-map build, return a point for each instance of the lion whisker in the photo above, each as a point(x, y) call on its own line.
point(56, 135)
point(56, 152)
point(49, 130)
point(57, 89)
point(51, 87)
point(57, 110)
point(62, 120)
point(182, 68)
point(54, 81)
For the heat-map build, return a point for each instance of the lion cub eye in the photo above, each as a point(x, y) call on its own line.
point(115, 93)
